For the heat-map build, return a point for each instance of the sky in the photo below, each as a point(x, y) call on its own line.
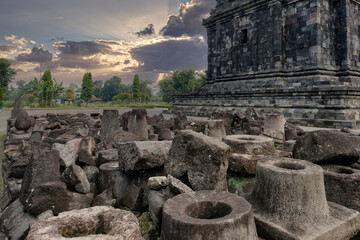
point(107, 37)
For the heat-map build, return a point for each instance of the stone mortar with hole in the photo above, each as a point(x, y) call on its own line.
point(290, 203)
point(209, 215)
point(96, 223)
point(342, 185)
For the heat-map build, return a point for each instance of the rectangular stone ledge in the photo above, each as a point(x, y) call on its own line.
point(342, 224)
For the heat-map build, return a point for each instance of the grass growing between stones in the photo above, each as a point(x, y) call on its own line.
point(239, 184)
point(145, 223)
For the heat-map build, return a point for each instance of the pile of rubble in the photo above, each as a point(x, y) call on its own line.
point(60, 167)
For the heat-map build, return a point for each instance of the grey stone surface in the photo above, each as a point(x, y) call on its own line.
point(110, 122)
point(165, 134)
point(155, 183)
point(107, 155)
point(249, 144)
point(86, 148)
point(79, 201)
point(136, 156)
point(118, 137)
point(216, 129)
point(23, 121)
point(203, 158)
point(138, 123)
point(290, 203)
point(104, 199)
point(15, 222)
point(68, 152)
point(96, 223)
point(75, 177)
point(92, 173)
point(41, 187)
point(110, 177)
point(341, 185)
point(244, 163)
point(325, 147)
point(156, 201)
point(208, 215)
point(177, 186)
point(299, 59)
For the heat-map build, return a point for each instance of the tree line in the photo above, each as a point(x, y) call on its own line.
point(46, 91)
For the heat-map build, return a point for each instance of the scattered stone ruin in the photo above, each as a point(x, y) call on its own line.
point(134, 176)
point(298, 58)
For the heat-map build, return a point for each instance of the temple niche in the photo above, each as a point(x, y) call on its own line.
point(295, 57)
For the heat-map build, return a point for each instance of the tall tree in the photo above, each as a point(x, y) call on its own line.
point(87, 88)
point(180, 82)
point(113, 87)
point(136, 88)
point(56, 90)
point(98, 87)
point(46, 89)
point(69, 94)
point(144, 87)
point(7, 74)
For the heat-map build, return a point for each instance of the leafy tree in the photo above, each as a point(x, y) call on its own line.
point(144, 87)
point(122, 97)
point(56, 90)
point(46, 91)
point(7, 74)
point(136, 88)
point(180, 82)
point(10, 94)
point(32, 87)
point(20, 84)
point(69, 94)
point(74, 86)
point(144, 97)
point(98, 87)
point(32, 100)
point(87, 88)
point(166, 89)
point(113, 87)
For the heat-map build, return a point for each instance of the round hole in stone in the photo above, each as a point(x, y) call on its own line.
point(86, 228)
point(208, 210)
point(344, 171)
point(289, 166)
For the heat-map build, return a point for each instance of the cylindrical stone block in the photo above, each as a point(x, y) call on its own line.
point(290, 189)
point(110, 122)
point(209, 215)
point(110, 177)
point(138, 123)
point(342, 185)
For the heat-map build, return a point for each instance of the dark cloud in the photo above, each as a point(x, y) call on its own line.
point(9, 48)
point(189, 20)
point(172, 55)
point(126, 62)
point(37, 55)
point(57, 39)
point(149, 30)
point(75, 54)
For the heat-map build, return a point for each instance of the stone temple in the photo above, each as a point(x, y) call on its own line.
point(296, 57)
